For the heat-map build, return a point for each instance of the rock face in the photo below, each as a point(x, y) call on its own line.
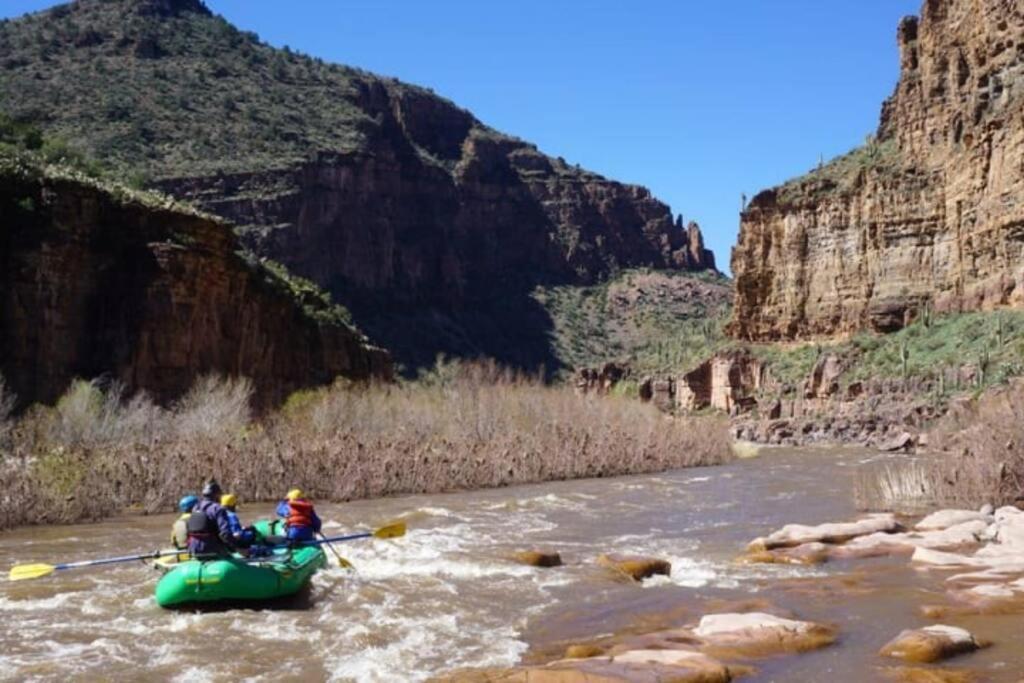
point(926, 215)
point(94, 284)
point(454, 249)
point(725, 382)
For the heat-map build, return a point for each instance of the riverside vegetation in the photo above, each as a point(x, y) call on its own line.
point(99, 451)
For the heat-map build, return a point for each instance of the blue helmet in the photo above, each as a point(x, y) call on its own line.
point(187, 503)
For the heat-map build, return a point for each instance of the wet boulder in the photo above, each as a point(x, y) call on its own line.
point(538, 558)
point(805, 554)
point(583, 651)
point(833, 532)
point(930, 644)
point(967, 533)
point(760, 634)
point(938, 558)
point(944, 519)
point(1009, 526)
point(635, 567)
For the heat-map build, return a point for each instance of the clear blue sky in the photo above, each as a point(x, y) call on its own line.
point(698, 100)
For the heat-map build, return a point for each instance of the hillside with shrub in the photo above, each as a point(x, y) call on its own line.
point(426, 223)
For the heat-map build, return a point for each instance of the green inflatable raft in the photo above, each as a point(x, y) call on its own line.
point(237, 578)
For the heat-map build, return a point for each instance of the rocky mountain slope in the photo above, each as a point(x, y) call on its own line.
point(99, 281)
point(646, 321)
point(431, 227)
point(928, 214)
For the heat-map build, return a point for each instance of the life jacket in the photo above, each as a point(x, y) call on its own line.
point(300, 513)
point(200, 525)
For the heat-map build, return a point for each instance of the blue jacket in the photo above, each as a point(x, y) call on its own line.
point(239, 535)
point(217, 537)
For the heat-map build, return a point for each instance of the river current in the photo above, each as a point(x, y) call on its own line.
point(447, 595)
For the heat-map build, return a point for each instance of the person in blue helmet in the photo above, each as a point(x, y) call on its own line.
point(209, 529)
point(179, 530)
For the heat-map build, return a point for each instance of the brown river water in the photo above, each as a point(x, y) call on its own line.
point(447, 596)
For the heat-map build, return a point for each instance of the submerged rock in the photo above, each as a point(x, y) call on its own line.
point(636, 567)
point(538, 558)
point(806, 554)
point(914, 674)
point(634, 666)
point(930, 644)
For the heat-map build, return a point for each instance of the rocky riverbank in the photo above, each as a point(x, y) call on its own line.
point(826, 407)
point(979, 552)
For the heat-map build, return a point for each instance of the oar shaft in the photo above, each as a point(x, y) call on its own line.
point(338, 539)
point(114, 560)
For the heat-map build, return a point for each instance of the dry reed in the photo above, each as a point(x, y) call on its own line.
point(464, 427)
point(977, 458)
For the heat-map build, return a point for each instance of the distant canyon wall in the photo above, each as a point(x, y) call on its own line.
point(930, 213)
point(436, 209)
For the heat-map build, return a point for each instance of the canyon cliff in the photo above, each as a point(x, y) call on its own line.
point(99, 282)
point(433, 228)
point(927, 215)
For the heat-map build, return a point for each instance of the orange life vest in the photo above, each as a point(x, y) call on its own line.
point(300, 513)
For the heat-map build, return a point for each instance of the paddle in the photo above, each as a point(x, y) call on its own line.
point(342, 562)
point(34, 571)
point(390, 531)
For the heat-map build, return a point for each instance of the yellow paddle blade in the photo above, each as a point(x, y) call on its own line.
point(343, 563)
point(31, 571)
point(390, 531)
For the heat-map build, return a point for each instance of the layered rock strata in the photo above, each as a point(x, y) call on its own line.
point(926, 215)
point(94, 283)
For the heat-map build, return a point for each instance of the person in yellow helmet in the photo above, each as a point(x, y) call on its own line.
point(282, 507)
point(301, 522)
point(242, 537)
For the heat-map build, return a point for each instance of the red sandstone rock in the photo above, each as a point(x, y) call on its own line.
point(920, 218)
point(93, 284)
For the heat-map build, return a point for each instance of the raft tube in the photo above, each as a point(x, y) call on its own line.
point(237, 578)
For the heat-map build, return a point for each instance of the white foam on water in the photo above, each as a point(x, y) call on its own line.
point(425, 646)
point(435, 512)
point(273, 626)
point(33, 605)
point(552, 501)
point(193, 674)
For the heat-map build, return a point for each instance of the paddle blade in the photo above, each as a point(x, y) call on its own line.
point(390, 531)
point(343, 563)
point(31, 571)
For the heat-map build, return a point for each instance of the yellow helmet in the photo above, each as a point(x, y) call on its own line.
point(228, 500)
point(295, 494)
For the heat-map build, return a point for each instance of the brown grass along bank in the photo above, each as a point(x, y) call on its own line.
point(98, 452)
point(975, 457)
